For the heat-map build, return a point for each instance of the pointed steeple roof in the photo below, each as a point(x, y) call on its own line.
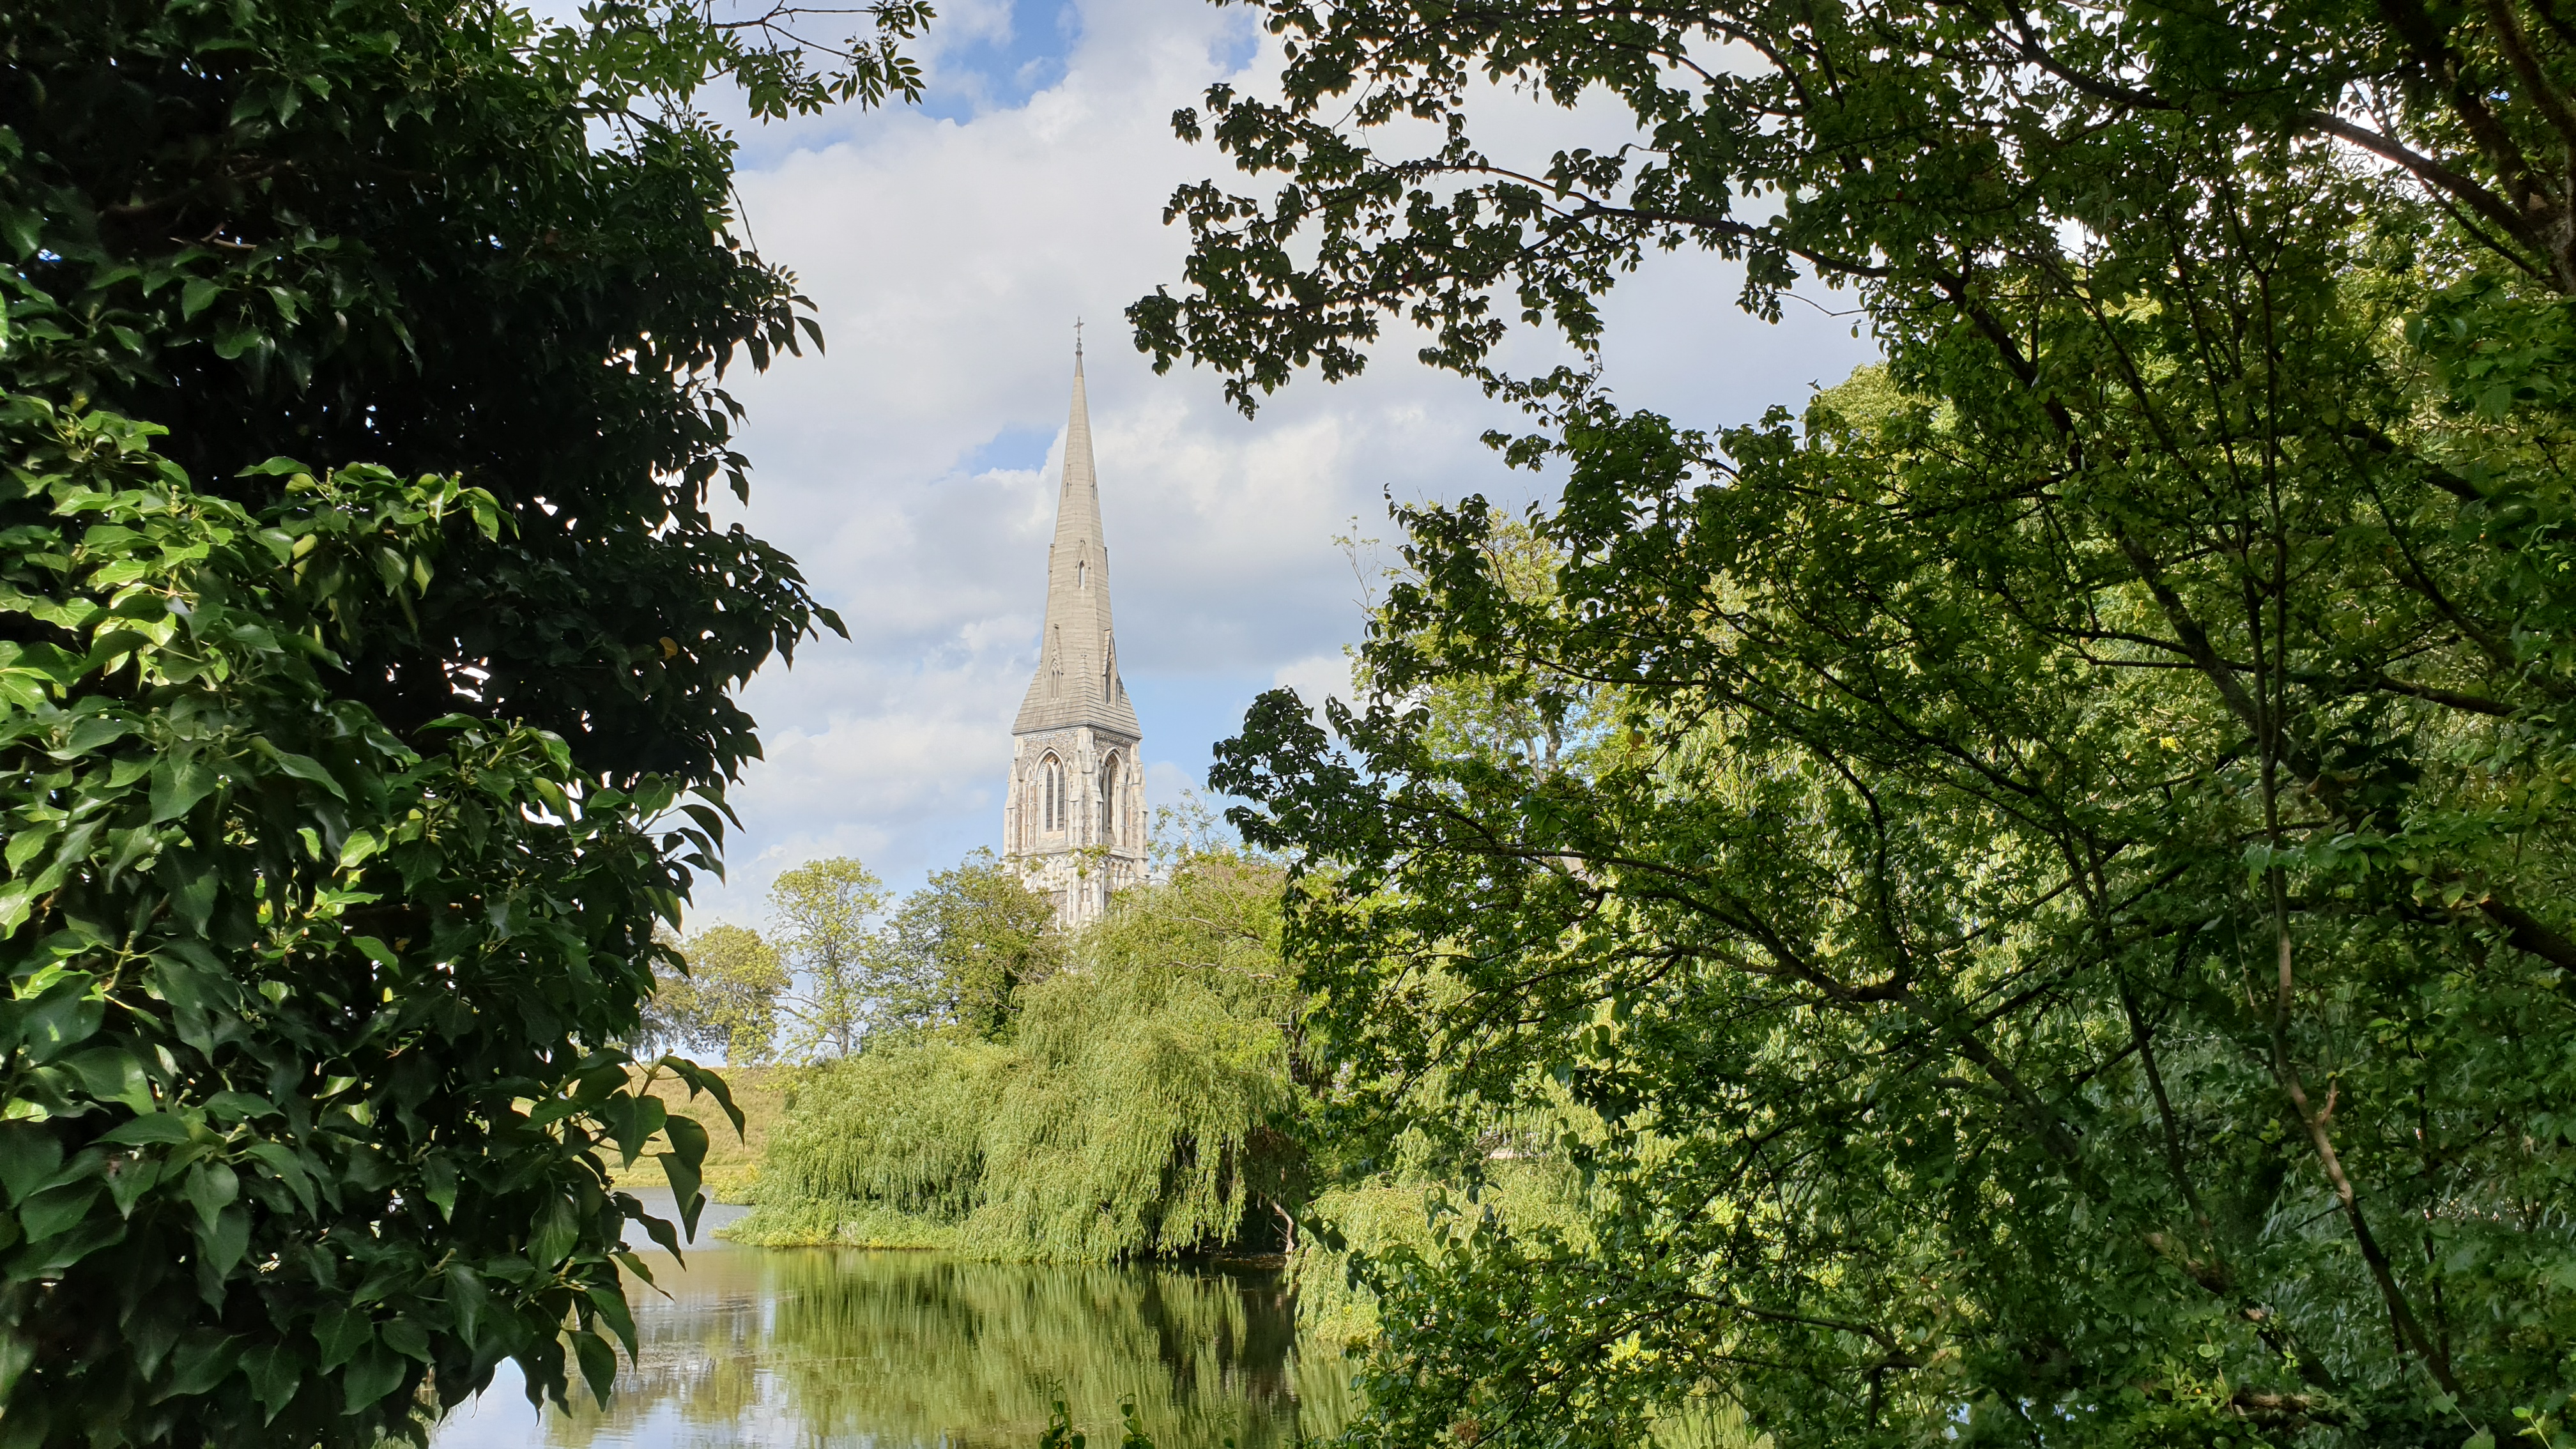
point(1077, 681)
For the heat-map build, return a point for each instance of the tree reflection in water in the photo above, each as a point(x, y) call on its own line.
point(889, 1350)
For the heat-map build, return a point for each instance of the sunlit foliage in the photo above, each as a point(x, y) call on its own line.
point(2051, 862)
point(1141, 1101)
point(721, 997)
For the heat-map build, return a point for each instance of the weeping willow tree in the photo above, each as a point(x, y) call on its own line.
point(1138, 1104)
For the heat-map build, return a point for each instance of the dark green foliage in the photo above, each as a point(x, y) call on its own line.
point(1939, 159)
point(1993, 1024)
point(268, 1159)
point(381, 233)
point(973, 937)
point(343, 795)
point(2054, 872)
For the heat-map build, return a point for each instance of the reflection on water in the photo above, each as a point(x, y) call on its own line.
point(890, 1350)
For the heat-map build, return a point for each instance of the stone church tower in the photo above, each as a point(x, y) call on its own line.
point(1074, 821)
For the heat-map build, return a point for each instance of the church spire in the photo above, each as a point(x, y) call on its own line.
point(1074, 819)
point(1077, 680)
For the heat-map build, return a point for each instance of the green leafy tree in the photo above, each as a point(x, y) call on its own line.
point(823, 918)
point(2052, 868)
point(343, 794)
point(724, 997)
point(967, 943)
point(1146, 1101)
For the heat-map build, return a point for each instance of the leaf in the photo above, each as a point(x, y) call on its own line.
point(113, 1074)
point(203, 1360)
point(687, 1138)
point(235, 1106)
point(557, 1230)
point(196, 297)
point(304, 767)
point(340, 1332)
point(712, 1083)
point(281, 1160)
point(683, 1177)
point(612, 1307)
point(56, 1209)
point(91, 731)
point(598, 1364)
point(375, 1374)
point(465, 1293)
point(63, 1016)
point(23, 228)
point(179, 781)
point(646, 1116)
point(438, 1184)
point(660, 1231)
point(274, 1372)
point(192, 898)
point(405, 1336)
point(227, 1241)
point(17, 1355)
point(212, 1186)
point(157, 1127)
point(128, 1179)
point(29, 1154)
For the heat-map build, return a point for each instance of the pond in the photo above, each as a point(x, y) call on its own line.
point(824, 1346)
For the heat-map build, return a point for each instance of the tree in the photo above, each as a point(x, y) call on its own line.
point(2054, 877)
point(723, 999)
point(823, 919)
point(365, 647)
point(967, 942)
point(1145, 1101)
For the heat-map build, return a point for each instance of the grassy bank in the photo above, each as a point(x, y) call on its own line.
point(849, 1225)
point(733, 1161)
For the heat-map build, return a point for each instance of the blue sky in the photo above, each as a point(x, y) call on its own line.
point(911, 469)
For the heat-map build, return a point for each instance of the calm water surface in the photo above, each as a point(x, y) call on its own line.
point(837, 1347)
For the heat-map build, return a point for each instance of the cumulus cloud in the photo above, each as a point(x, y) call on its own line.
point(912, 468)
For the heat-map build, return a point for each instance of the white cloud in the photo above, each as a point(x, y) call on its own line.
point(1317, 679)
point(911, 469)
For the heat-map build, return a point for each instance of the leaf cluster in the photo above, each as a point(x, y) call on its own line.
point(446, 240)
point(2052, 864)
point(365, 651)
point(268, 1166)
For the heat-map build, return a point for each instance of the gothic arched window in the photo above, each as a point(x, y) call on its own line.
point(1051, 792)
point(1109, 800)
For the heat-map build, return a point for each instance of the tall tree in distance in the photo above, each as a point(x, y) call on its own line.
point(823, 918)
point(968, 942)
point(723, 997)
point(366, 649)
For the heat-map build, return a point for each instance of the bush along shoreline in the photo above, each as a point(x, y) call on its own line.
point(1137, 1095)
